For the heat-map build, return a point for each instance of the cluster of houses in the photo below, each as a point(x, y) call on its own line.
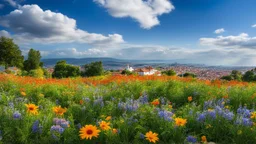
point(148, 70)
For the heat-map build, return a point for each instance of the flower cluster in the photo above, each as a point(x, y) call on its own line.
point(59, 127)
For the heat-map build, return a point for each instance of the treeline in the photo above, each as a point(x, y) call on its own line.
point(11, 56)
point(248, 76)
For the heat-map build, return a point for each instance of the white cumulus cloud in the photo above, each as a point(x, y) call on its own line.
point(254, 26)
point(31, 24)
point(145, 12)
point(218, 31)
point(242, 40)
point(4, 33)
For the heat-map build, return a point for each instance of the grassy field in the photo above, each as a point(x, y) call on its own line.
point(126, 109)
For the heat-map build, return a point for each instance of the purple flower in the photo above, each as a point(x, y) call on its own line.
point(191, 139)
point(57, 128)
point(16, 115)
point(166, 115)
point(201, 117)
point(36, 127)
point(142, 136)
point(228, 115)
point(212, 114)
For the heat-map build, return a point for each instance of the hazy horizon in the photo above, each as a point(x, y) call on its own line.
point(193, 31)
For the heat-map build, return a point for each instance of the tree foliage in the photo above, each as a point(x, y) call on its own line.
point(235, 75)
point(126, 72)
point(249, 76)
point(187, 74)
point(64, 70)
point(93, 69)
point(33, 61)
point(169, 72)
point(10, 54)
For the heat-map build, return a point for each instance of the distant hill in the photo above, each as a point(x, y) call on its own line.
point(112, 63)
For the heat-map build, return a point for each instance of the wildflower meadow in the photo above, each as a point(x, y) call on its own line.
point(126, 109)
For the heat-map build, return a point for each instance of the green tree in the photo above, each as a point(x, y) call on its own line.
point(93, 69)
point(10, 54)
point(169, 72)
point(64, 70)
point(249, 76)
point(126, 72)
point(228, 78)
point(187, 74)
point(236, 75)
point(33, 62)
point(38, 73)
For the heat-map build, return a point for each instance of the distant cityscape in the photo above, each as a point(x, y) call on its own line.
point(153, 67)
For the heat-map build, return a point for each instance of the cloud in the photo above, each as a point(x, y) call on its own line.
point(240, 41)
point(218, 31)
point(13, 3)
point(145, 12)
point(31, 24)
point(4, 33)
point(211, 56)
point(254, 26)
point(73, 52)
point(1, 6)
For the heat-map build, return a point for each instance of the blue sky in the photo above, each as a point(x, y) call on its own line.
point(213, 32)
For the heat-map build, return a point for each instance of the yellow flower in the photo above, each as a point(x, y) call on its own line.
point(104, 125)
point(32, 108)
point(227, 107)
point(239, 132)
point(59, 110)
point(23, 93)
point(190, 98)
point(170, 106)
point(209, 110)
point(151, 137)
point(180, 121)
point(204, 139)
point(89, 131)
point(253, 115)
point(41, 95)
point(108, 118)
point(208, 126)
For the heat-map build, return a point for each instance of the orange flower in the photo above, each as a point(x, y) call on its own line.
point(155, 102)
point(151, 137)
point(225, 97)
point(114, 130)
point(204, 139)
point(108, 118)
point(89, 131)
point(32, 108)
point(59, 110)
point(104, 125)
point(23, 93)
point(180, 121)
point(81, 102)
point(190, 98)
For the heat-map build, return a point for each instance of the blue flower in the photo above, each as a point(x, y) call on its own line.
point(166, 115)
point(36, 127)
point(57, 128)
point(1, 137)
point(191, 139)
point(201, 117)
point(16, 115)
point(142, 136)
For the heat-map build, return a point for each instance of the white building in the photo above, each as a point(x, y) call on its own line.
point(129, 68)
point(148, 71)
